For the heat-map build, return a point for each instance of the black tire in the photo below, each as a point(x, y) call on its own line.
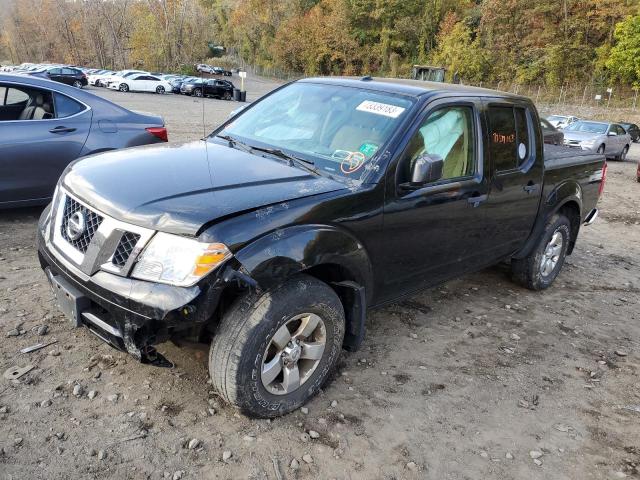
point(123, 87)
point(601, 149)
point(197, 92)
point(623, 155)
point(226, 96)
point(528, 271)
point(246, 331)
point(77, 83)
point(160, 90)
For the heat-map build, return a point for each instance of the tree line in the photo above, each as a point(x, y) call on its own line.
point(550, 41)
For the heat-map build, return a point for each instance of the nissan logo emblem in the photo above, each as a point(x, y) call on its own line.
point(76, 225)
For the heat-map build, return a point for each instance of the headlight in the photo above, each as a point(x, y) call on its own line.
point(178, 260)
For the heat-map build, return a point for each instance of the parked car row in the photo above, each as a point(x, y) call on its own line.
point(134, 80)
point(612, 139)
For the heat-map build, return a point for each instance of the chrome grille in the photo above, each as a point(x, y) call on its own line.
point(92, 222)
point(126, 245)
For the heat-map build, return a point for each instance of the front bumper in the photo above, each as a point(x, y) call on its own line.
point(131, 315)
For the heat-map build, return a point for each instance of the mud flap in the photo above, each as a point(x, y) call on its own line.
point(356, 314)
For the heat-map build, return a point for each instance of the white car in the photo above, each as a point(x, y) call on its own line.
point(561, 121)
point(96, 78)
point(119, 76)
point(143, 82)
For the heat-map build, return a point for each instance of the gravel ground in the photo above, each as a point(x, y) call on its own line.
point(477, 379)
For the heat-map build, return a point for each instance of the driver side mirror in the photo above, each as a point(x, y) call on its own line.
point(426, 169)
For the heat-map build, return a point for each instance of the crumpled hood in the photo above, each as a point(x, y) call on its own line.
point(178, 188)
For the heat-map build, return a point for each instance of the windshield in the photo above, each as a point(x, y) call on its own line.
point(588, 127)
point(339, 129)
point(556, 118)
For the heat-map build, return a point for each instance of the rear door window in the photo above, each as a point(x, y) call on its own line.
point(509, 141)
point(15, 96)
point(65, 106)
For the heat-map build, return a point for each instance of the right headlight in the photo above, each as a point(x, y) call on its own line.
point(178, 261)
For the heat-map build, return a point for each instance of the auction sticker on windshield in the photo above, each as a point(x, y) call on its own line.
point(385, 109)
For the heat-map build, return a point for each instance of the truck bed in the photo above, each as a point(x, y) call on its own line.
point(558, 156)
point(563, 164)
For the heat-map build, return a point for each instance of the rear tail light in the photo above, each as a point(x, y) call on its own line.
point(604, 178)
point(160, 132)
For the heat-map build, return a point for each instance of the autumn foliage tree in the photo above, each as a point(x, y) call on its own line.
point(523, 41)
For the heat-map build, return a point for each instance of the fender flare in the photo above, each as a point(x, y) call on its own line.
point(282, 253)
point(564, 193)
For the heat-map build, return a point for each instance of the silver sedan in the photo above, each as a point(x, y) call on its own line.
point(607, 138)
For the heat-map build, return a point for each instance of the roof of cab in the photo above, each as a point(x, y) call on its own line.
point(410, 87)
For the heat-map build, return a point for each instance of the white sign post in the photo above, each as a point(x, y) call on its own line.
point(242, 76)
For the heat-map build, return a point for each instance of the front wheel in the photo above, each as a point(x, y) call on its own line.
point(197, 92)
point(623, 155)
point(540, 268)
point(77, 83)
point(272, 352)
point(226, 96)
point(160, 90)
point(601, 149)
point(124, 87)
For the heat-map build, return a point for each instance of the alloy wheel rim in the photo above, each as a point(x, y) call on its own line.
point(551, 254)
point(293, 354)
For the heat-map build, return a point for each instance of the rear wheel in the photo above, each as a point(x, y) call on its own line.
point(160, 89)
point(123, 87)
point(274, 351)
point(540, 268)
point(197, 92)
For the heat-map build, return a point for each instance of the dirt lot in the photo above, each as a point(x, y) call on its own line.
point(467, 381)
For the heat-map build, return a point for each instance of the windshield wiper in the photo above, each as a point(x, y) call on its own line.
point(234, 142)
point(307, 165)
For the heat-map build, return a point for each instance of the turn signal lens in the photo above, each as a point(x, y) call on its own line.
point(215, 254)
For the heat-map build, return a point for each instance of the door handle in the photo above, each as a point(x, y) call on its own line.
point(530, 187)
point(62, 130)
point(475, 201)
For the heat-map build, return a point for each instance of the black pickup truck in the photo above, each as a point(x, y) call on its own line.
point(273, 236)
